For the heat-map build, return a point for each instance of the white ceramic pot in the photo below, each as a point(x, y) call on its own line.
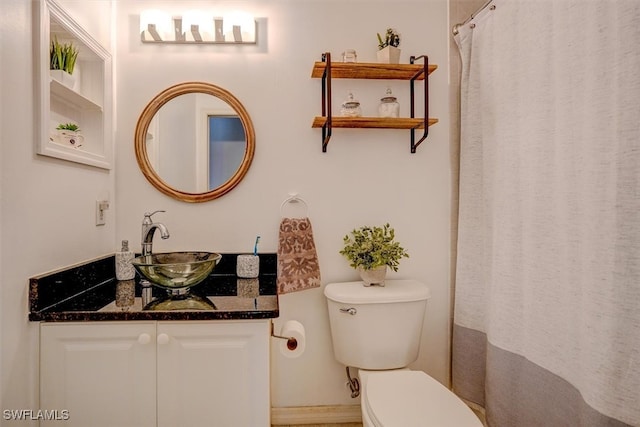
point(389, 55)
point(70, 138)
point(63, 77)
point(375, 276)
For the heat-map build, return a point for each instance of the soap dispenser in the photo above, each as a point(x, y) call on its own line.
point(124, 267)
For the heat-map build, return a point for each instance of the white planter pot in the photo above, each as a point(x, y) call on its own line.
point(389, 55)
point(374, 276)
point(70, 138)
point(63, 77)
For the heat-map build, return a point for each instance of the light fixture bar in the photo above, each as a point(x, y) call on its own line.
point(190, 30)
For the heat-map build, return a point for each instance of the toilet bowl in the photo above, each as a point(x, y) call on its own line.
point(405, 398)
point(377, 330)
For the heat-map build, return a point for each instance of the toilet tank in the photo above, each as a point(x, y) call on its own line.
point(376, 327)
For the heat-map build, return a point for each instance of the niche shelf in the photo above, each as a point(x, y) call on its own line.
point(88, 103)
point(326, 70)
point(72, 97)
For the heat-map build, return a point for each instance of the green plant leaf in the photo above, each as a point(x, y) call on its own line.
point(371, 247)
point(68, 126)
point(62, 56)
point(391, 38)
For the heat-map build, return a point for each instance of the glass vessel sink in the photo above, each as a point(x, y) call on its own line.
point(176, 270)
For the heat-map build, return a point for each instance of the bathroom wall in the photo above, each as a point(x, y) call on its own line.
point(47, 211)
point(366, 177)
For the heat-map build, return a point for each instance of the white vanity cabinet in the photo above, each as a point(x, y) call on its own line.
point(137, 373)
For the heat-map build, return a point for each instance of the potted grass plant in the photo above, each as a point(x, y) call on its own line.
point(388, 47)
point(69, 134)
point(370, 250)
point(62, 61)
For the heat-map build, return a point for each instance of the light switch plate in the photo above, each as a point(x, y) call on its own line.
point(101, 206)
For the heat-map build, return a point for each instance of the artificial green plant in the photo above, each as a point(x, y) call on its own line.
point(68, 126)
point(62, 56)
point(391, 38)
point(370, 247)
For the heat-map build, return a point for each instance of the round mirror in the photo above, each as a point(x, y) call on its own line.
point(194, 141)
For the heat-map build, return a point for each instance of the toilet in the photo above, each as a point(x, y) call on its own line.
point(377, 330)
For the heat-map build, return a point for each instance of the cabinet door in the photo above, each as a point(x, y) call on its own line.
point(213, 374)
point(103, 374)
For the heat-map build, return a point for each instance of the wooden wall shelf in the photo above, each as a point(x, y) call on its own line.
point(372, 122)
point(363, 70)
point(326, 70)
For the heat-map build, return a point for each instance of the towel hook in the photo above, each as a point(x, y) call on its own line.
point(294, 198)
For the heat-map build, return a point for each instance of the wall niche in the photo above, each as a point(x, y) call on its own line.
point(83, 98)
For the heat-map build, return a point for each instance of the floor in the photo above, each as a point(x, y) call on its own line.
point(478, 411)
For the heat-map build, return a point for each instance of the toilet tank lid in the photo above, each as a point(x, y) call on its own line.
point(393, 291)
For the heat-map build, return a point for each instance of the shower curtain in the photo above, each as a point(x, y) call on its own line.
point(547, 292)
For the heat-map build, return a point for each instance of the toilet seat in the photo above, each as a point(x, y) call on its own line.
point(413, 399)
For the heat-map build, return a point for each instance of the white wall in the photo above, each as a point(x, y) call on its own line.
point(366, 177)
point(47, 208)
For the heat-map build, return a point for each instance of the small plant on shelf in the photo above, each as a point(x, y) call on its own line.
point(68, 134)
point(68, 126)
point(391, 38)
point(388, 50)
point(63, 56)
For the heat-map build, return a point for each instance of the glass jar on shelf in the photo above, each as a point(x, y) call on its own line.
point(351, 107)
point(349, 55)
point(389, 106)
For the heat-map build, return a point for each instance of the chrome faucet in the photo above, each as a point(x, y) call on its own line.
point(148, 230)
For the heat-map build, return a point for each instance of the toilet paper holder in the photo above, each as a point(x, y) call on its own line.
point(292, 343)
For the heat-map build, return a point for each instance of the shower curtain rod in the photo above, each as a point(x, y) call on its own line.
point(455, 28)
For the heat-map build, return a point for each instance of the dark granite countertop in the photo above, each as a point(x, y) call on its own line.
point(87, 292)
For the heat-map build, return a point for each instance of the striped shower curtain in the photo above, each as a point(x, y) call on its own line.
point(547, 294)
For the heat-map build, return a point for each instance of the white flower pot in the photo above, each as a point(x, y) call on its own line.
point(63, 77)
point(375, 276)
point(70, 138)
point(389, 55)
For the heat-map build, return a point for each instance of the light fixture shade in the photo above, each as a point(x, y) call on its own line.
point(156, 25)
point(239, 27)
point(198, 23)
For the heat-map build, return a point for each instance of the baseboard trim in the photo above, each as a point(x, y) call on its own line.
point(316, 415)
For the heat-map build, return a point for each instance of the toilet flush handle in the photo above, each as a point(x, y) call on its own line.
point(351, 310)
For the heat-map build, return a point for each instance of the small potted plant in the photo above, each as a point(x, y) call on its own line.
point(388, 47)
point(69, 134)
point(371, 250)
point(62, 62)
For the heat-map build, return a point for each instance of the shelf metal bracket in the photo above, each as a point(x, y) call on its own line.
point(326, 100)
point(425, 71)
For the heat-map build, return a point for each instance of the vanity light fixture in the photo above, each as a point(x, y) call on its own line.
point(155, 25)
point(194, 25)
point(198, 27)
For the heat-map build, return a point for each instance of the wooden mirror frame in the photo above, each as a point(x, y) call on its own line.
point(154, 106)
